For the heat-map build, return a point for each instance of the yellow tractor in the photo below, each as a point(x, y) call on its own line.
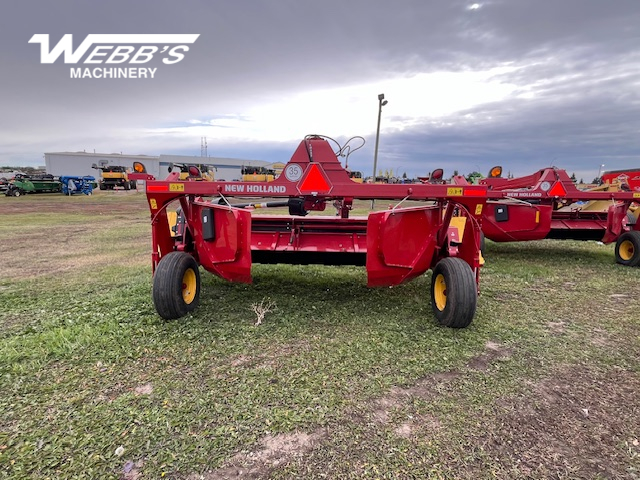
point(257, 174)
point(112, 176)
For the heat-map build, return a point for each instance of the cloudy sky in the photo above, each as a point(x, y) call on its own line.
point(522, 83)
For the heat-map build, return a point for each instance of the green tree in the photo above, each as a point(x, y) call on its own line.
point(474, 177)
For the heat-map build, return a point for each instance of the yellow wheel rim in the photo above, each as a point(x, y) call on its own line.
point(626, 250)
point(440, 292)
point(189, 284)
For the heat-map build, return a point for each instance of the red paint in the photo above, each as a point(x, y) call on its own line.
point(395, 245)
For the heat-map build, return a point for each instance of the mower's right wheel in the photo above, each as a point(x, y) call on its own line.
point(16, 192)
point(176, 285)
point(454, 293)
point(628, 249)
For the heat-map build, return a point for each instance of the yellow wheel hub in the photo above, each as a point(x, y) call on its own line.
point(440, 292)
point(626, 250)
point(189, 284)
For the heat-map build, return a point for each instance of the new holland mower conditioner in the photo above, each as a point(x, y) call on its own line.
point(196, 223)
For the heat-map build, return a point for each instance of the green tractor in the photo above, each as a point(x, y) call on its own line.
point(41, 183)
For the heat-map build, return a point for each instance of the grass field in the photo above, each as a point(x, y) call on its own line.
point(339, 381)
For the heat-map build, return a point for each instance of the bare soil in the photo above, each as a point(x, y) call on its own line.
point(580, 423)
point(35, 255)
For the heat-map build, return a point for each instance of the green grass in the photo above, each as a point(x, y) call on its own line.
point(87, 366)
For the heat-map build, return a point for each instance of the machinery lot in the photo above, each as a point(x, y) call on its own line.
point(338, 380)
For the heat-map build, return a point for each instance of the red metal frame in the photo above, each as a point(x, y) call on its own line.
point(395, 245)
point(630, 176)
point(545, 205)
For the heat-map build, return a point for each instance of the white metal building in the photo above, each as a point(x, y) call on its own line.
point(80, 163)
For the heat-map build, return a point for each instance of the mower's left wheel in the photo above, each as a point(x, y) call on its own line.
point(176, 285)
point(628, 249)
point(454, 293)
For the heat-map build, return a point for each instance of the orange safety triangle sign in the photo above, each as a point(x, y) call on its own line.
point(557, 190)
point(314, 180)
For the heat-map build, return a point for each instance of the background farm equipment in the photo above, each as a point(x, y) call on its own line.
point(441, 232)
point(197, 172)
point(547, 204)
point(112, 176)
point(355, 175)
point(23, 184)
point(257, 174)
point(72, 185)
point(629, 177)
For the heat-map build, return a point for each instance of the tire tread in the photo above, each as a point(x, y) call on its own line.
point(462, 293)
point(167, 285)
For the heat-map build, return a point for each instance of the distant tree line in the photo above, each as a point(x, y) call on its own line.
point(27, 170)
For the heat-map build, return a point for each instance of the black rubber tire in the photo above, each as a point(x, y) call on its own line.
point(460, 293)
point(482, 243)
point(631, 219)
point(628, 249)
point(168, 284)
point(133, 184)
point(127, 185)
point(16, 192)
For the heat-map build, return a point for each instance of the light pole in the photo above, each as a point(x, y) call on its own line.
point(381, 103)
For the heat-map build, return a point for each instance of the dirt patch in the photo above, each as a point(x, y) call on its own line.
point(11, 322)
point(557, 328)
point(275, 451)
point(132, 470)
point(274, 356)
point(425, 388)
point(417, 424)
point(79, 240)
point(601, 338)
point(242, 361)
point(146, 389)
point(99, 203)
point(493, 351)
point(580, 424)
